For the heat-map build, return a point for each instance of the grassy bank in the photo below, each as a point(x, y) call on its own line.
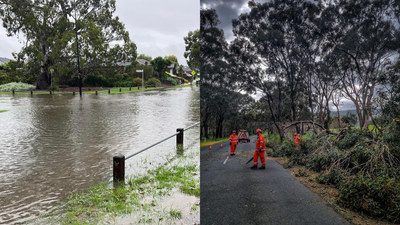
point(212, 141)
point(140, 197)
point(182, 86)
point(1, 111)
point(114, 90)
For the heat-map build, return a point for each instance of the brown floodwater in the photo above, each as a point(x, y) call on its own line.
point(51, 145)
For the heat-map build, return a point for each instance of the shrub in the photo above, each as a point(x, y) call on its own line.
point(63, 86)
point(124, 84)
point(54, 88)
point(17, 87)
point(330, 177)
point(137, 82)
point(350, 138)
point(322, 161)
point(283, 150)
point(153, 82)
point(379, 198)
point(173, 81)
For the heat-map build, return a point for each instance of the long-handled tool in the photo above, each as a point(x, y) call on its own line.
point(250, 159)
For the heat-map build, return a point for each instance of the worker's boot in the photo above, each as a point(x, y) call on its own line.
point(262, 168)
point(253, 167)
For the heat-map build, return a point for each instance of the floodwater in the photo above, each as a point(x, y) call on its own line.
point(51, 145)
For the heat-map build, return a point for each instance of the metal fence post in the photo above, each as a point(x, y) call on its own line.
point(119, 168)
point(179, 137)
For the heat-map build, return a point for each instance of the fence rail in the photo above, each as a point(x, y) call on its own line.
point(119, 160)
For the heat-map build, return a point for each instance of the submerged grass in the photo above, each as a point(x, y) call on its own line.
point(139, 196)
point(182, 86)
point(1, 111)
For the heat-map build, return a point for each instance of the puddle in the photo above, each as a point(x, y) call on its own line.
point(160, 214)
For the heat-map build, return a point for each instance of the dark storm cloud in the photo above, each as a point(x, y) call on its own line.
point(227, 10)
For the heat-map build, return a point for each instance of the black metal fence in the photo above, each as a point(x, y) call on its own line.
point(119, 160)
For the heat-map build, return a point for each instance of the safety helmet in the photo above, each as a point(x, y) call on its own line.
point(295, 133)
point(258, 130)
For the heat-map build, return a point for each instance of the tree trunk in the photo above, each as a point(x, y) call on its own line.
point(42, 81)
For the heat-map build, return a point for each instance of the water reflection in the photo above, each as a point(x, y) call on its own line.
point(51, 145)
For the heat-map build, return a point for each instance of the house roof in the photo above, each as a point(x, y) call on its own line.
point(143, 62)
point(171, 66)
point(4, 60)
point(186, 68)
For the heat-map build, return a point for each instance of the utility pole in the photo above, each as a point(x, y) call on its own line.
point(77, 53)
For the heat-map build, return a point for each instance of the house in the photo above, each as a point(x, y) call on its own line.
point(143, 62)
point(171, 68)
point(187, 69)
point(4, 60)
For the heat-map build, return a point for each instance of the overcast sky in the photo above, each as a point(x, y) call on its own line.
point(156, 26)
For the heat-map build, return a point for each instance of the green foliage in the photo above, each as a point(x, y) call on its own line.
point(144, 56)
point(284, 150)
point(350, 138)
point(153, 82)
point(301, 173)
point(192, 49)
point(379, 197)
point(16, 87)
point(333, 176)
point(160, 64)
point(63, 86)
point(137, 82)
point(124, 84)
point(173, 81)
point(349, 118)
point(54, 88)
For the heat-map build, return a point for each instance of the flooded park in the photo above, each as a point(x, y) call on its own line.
point(55, 145)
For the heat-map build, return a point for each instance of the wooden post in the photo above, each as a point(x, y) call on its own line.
point(130, 88)
point(119, 168)
point(31, 92)
point(96, 92)
point(179, 137)
point(73, 93)
point(13, 92)
point(50, 92)
point(119, 89)
point(109, 91)
point(138, 87)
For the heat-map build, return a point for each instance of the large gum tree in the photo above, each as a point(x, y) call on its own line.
point(48, 30)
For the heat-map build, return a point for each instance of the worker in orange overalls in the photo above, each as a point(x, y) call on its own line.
point(296, 139)
point(233, 140)
point(260, 150)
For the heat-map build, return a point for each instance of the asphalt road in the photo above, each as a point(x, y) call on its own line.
point(232, 193)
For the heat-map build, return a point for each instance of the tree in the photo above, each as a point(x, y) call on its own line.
point(180, 70)
point(364, 32)
point(160, 65)
point(146, 57)
point(172, 58)
point(192, 49)
point(270, 50)
point(49, 30)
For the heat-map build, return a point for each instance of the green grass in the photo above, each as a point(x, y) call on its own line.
point(175, 213)
point(123, 90)
point(101, 202)
point(182, 86)
point(1, 111)
point(212, 141)
point(104, 91)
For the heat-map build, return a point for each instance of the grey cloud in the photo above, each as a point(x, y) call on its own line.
point(227, 10)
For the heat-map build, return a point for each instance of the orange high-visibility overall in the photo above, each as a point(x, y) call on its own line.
point(260, 144)
point(296, 139)
point(233, 139)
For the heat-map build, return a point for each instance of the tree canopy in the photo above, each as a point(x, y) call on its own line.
point(49, 29)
